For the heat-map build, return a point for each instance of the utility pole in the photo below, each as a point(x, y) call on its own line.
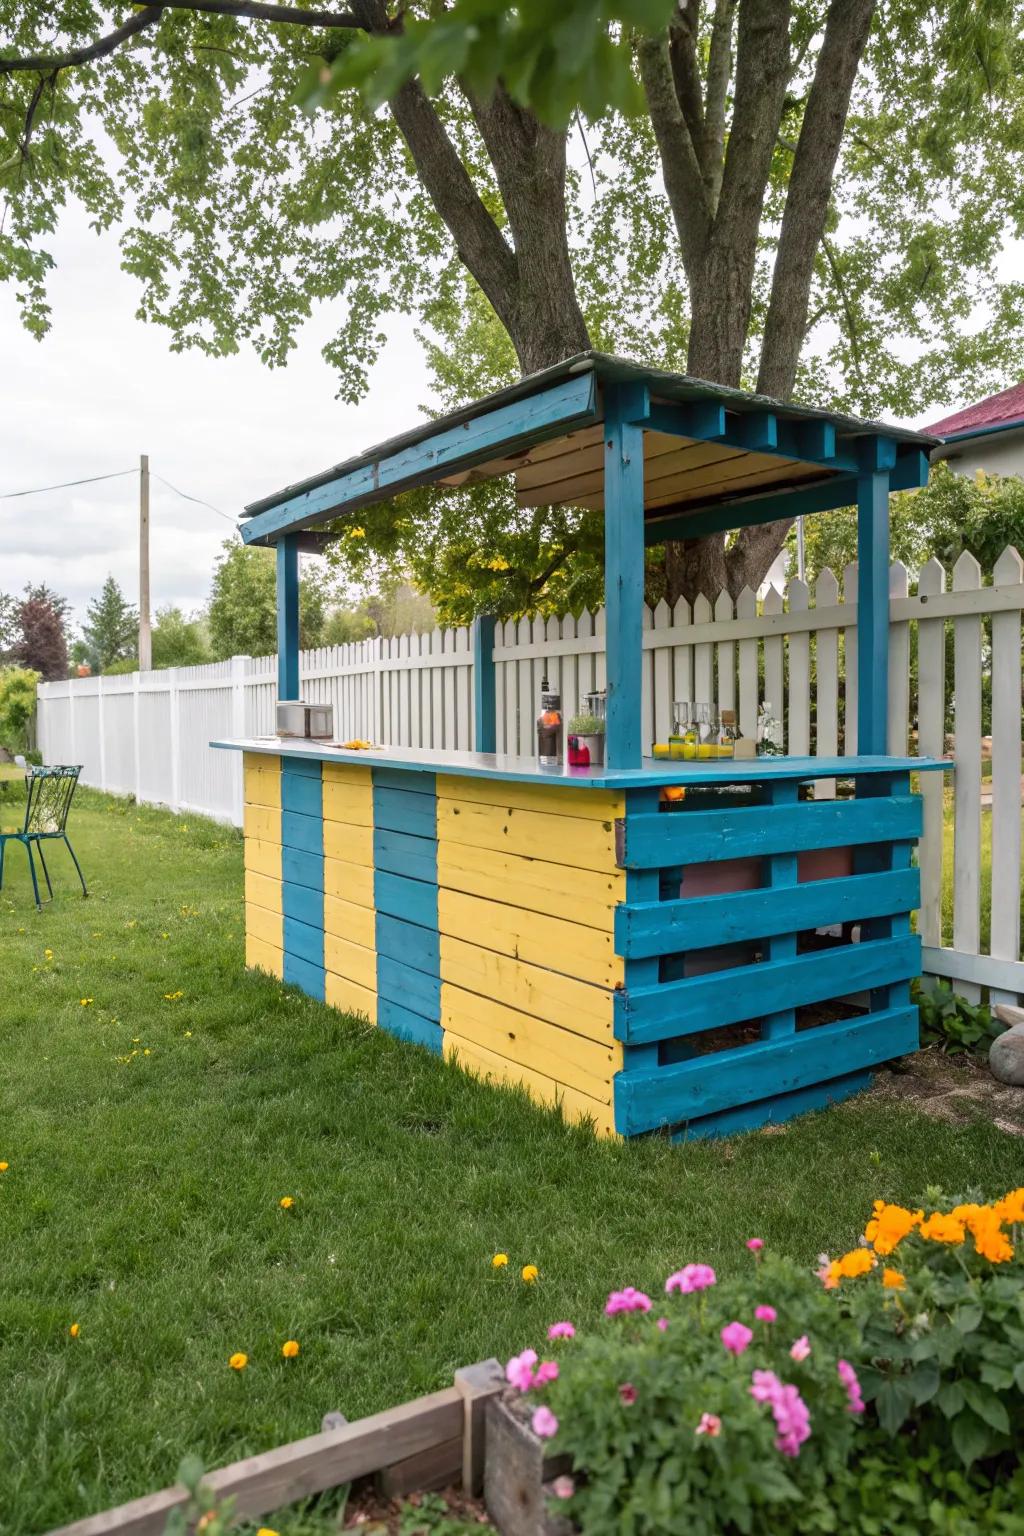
point(145, 633)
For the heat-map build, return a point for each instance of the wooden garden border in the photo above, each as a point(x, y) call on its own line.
point(438, 1436)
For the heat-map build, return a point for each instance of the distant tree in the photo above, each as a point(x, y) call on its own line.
point(243, 605)
point(17, 707)
point(42, 644)
point(111, 630)
point(344, 625)
point(8, 625)
point(178, 641)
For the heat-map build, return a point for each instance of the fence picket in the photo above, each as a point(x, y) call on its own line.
point(774, 692)
point(826, 652)
point(967, 779)
point(1004, 942)
point(746, 608)
point(899, 666)
point(931, 740)
point(798, 736)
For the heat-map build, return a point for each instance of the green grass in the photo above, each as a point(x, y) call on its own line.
point(141, 1200)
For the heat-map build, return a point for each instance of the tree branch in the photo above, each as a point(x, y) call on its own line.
point(810, 191)
point(20, 155)
point(719, 75)
point(46, 63)
point(680, 166)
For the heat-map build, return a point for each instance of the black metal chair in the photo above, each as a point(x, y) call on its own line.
point(49, 793)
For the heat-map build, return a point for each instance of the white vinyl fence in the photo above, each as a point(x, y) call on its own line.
point(953, 645)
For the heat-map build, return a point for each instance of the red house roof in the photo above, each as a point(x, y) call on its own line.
point(997, 411)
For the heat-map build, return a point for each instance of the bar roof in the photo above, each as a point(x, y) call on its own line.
point(688, 468)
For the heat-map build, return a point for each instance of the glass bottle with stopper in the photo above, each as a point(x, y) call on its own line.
point(549, 727)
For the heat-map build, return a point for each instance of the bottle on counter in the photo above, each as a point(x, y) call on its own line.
point(769, 732)
point(549, 728)
point(727, 733)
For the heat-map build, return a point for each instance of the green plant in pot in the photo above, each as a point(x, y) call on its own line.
point(589, 730)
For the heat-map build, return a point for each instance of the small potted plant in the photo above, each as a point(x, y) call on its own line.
point(586, 734)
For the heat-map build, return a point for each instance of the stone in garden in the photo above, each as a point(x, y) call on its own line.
point(1008, 1014)
point(1006, 1056)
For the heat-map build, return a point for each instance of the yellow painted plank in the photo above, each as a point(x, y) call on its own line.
point(595, 804)
point(352, 843)
point(567, 1058)
point(261, 956)
point(347, 995)
point(262, 780)
point(581, 895)
point(264, 925)
point(356, 775)
point(263, 822)
point(487, 1064)
point(263, 891)
point(584, 1009)
point(550, 942)
point(351, 921)
point(352, 882)
point(579, 841)
point(263, 857)
point(354, 961)
point(351, 803)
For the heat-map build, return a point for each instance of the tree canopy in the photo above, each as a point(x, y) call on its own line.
point(806, 196)
point(111, 630)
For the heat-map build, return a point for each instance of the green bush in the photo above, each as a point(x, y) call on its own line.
point(17, 706)
point(950, 1021)
point(867, 1397)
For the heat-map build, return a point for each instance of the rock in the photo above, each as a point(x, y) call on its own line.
point(1007, 1014)
point(1006, 1056)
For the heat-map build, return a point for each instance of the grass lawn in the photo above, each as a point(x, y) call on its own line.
point(156, 1103)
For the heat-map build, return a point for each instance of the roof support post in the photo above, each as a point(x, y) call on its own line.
point(288, 616)
point(877, 457)
point(625, 408)
point(485, 721)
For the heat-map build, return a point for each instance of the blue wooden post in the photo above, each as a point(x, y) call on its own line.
point(877, 457)
point(625, 406)
point(288, 617)
point(485, 725)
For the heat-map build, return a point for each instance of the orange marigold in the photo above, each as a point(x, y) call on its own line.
point(893, 1280)
point(1011, 1207)
point(889, 1225)
point(940, 1228)
point(857, 1262)
point(989, 1238)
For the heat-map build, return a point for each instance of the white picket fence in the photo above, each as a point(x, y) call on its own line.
point(147, 735)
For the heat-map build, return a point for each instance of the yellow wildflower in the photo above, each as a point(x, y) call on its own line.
point(498, 1262)
point(355, 533)
point(893, 1280)
point(86, 1002)
point(74, 1330)
point(172, 997)
point(4, 1167)
point(889, 1225)
point(290, 1348)
point(47, 954)
point(286, 1202)
point(529, 1273)
point(238, 1361)
point(857, 1262)
point(943, 1229)
point(265, 1530)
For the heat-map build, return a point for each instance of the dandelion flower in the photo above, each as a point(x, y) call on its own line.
point(172, 997)
point(290, 1348)
point(238, 1361)
point(4, 1167)
point(74, 1330)
point(499, 1261)
point(86, 1002)
point(265, 1530)
point(529, 1273)
point(47, 954)
point(286, 1202)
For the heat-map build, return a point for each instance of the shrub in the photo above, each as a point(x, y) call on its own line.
point(17, 706)
point(952, 1023)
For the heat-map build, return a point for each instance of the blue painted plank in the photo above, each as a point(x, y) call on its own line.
point(713, 1001)
point(408, 1025)
point(651, 841)
point(642, 885)
point(811, 442)
point(410, 988)
point(304, 940)
point(414, 900)
point(416, 779)
point(873, 611)
point(548, 413)
point(781, 874)
point(306, 833)
point(661, 928)
point(302, 793)
point(402, 854)
point(288, 618)
point(705, 1085)
point(304, 763)
point(302, 868)
point(750, 1117)
point(408, 943)
point(397, 810)
point(624, 571)
point(300, 973)
point(303, 902)
point(485, 716)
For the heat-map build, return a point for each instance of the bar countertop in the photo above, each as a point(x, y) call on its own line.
point(524, 770)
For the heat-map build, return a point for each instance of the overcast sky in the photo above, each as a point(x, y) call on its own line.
point(103, 387)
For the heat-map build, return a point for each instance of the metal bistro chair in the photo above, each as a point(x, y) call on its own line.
point(49, 794)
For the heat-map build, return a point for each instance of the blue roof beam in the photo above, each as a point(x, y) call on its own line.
point(522, 423)
point(809, 442)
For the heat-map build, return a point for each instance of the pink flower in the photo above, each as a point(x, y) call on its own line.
point(710, 1424)
point(563, 1487)
point(765, 1314)
point(792, 1420)
point(662, 1324)
point(755, 1244)
point(736, 1337)
point(544, 1423)
point(627, 1392)
point(519, 1370)
point(561, 1331)
point(693, 1277)
point(848, 1377)
point(628, 1300)
point(546, 1371)
point(800, 1348)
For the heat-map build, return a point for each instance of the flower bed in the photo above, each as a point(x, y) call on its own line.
point(883, 1394)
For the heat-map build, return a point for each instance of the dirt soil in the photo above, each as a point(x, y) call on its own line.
point(957, 1089)
point(449, 1511)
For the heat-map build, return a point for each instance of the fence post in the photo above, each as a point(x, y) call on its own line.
point(174, 732)
point(239, 666)
point(101, 732)
point(485, 731)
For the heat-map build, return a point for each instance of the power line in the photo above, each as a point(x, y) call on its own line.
point(197, 499)
point(66, 484)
